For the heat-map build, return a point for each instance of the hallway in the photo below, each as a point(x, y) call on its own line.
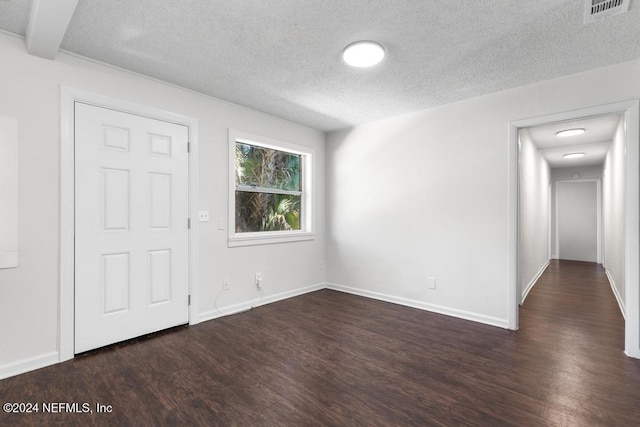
point(572, 316)
point(573, 304)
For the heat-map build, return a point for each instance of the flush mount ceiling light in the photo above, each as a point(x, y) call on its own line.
point(363, 54)
point(573, 155)
point(570, 132)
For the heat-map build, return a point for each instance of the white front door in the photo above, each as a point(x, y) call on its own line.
point(131, 231)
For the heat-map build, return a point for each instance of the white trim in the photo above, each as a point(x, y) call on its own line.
point(631, 109)
point(307, 178)
point(598, 182)
point(557, 235)
point(461, 314)
point(29, 364)
point(247, 305)
point(67, 228)
point(612, 283)
point(68, 96)
point(549, 218)
point(257, 302)
point(269, 237)
point(533, 281)
point(513, 299)
point(632, 232)
point(194, 209)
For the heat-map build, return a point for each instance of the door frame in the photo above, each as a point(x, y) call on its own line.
point(631, 111)
point(68, 97)
point(598, 182)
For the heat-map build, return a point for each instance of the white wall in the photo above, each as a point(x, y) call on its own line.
point(613, 196)
point(533, 214)
point(8, 192)
point(584, 172)
point(30, 91)
point(427, 194)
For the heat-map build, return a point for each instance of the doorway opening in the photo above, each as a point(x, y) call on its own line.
point(537, 172)
point(577, 223)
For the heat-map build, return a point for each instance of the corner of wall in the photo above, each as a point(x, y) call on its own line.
point(434, 308)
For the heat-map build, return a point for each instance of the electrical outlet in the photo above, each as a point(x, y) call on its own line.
point(225, 284)
point(204, 216)
point(431, 282)
point(259, 280)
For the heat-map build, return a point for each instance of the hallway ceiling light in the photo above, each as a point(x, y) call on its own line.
point(570, 132)
point(573, 155)
point(363, 54)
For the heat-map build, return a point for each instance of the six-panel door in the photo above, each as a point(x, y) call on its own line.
point(131, 233)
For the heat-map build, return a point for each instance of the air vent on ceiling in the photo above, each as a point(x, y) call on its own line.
point(596, 10)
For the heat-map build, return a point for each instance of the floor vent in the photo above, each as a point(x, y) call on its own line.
point(597, 10)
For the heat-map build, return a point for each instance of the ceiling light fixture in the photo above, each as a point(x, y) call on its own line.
point(363, 54)
point(570, 132)
point(573, 155)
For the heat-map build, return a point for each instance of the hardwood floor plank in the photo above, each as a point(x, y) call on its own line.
point(334, 359)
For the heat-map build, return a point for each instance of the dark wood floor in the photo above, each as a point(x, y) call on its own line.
point(334, 359)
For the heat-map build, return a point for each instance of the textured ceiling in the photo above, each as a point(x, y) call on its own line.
point(594, 142)
point(283, 56)
point(14, 15)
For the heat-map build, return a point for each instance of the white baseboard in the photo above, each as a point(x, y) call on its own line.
point(47, 359)
point(30, 364)
point(633, 353)
point(8, 259)
point(612, 283)
point(257, 302)
point(467, 315)
point(247, 305)
point(533, 281)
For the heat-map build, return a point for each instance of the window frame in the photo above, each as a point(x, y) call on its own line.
point(306, 205)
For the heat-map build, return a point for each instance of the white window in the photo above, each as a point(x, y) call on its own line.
point(270, 190)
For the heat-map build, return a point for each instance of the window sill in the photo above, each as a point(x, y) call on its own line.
point(267, 238)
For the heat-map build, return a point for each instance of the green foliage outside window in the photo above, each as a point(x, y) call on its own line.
point(268, 189)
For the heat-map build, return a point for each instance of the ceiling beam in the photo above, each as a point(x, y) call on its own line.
point(47, 25)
